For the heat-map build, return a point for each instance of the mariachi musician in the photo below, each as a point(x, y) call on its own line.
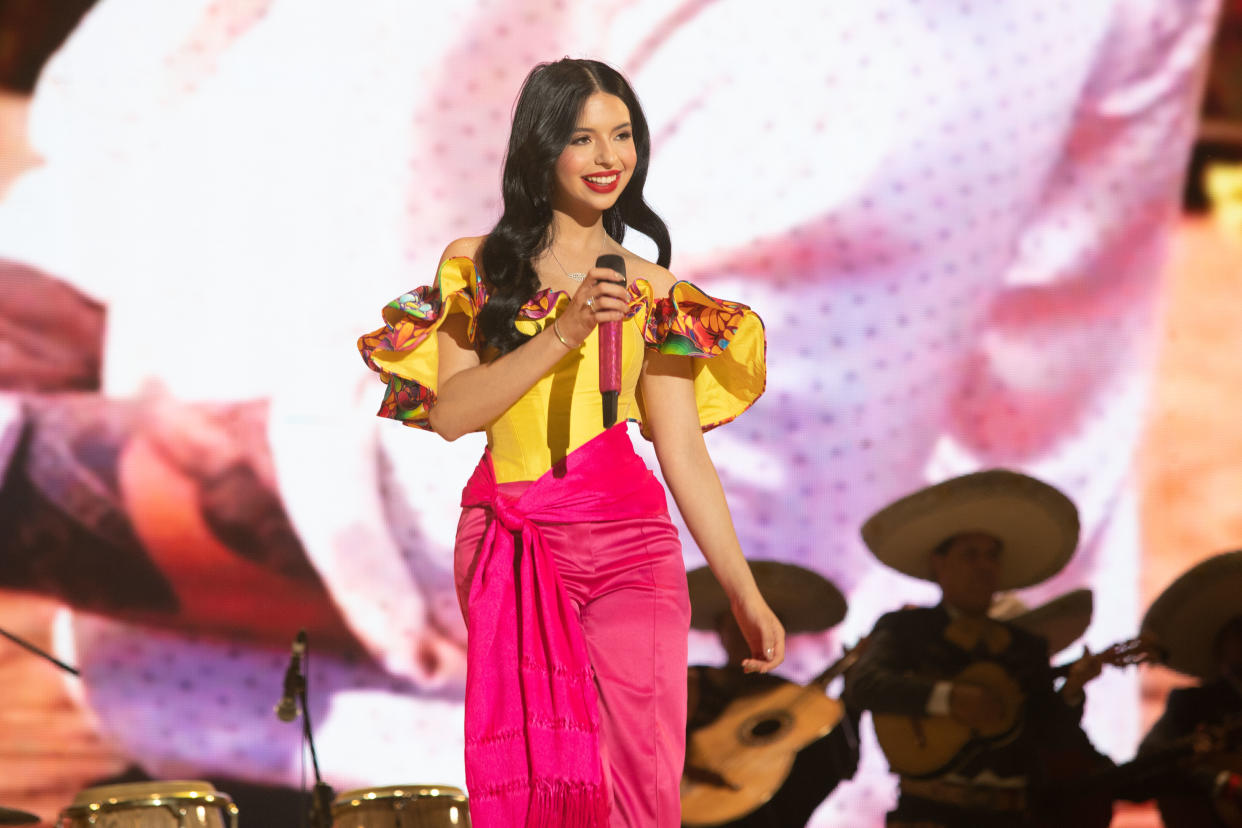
point(805, 602)
point(1198, 622)
point(961, 702)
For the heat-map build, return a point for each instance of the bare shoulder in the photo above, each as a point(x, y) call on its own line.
point(660, 279)
point(467, 246)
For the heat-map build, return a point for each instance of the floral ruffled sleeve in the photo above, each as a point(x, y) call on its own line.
point(726, 339)
point(405, 351)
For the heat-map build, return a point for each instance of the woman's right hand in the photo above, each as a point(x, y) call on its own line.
point(602, 297)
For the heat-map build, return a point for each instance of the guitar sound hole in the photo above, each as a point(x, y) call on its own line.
point(765, 727)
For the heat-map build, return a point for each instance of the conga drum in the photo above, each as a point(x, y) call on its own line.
point(156, 804)
point(402, 806)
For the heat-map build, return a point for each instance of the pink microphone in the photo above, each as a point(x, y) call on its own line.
point(610, 349)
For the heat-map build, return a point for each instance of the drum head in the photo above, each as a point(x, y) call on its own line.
point(402, 806)
point(178, 803)
point(151, 789)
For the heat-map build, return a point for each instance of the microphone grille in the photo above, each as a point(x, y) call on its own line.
point(611, 261)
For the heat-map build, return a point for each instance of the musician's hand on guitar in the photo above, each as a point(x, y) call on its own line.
point(975, 706)
point(763, 632)
point(1082, 671)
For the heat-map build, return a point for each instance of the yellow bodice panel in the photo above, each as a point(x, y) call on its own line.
point(562, 410)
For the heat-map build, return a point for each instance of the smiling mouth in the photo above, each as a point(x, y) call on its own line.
point(602, 183)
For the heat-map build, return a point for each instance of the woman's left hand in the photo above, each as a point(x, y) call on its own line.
point(763, 632)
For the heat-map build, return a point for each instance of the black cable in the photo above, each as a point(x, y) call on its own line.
point(21, 642)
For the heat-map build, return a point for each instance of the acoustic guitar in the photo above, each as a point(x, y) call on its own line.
point(920, 746)
point(740, 760)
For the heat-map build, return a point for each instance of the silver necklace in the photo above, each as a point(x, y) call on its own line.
point(577, 277)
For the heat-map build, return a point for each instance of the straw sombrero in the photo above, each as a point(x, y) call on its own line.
point(1191, 612)
point(803, 600)
point(1061, 621)
point(1036, 523)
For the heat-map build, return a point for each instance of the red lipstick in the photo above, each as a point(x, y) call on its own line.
point(603, 188)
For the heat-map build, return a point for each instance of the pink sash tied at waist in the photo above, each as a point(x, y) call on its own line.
point(532, 712)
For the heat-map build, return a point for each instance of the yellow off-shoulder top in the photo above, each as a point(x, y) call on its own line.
point(563, 410)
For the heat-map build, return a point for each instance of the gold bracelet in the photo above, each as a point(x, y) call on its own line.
point(556, 329)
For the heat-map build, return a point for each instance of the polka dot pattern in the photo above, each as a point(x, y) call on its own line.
point(184, 704)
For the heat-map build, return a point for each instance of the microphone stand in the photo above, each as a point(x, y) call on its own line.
point(322, 794)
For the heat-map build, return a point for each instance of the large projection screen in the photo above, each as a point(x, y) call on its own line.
point(954, 218)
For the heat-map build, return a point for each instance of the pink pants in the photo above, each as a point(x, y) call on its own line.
point(628, 583)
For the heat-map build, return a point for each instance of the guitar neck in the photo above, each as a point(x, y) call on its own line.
point(838, 667)
point(1121, 654)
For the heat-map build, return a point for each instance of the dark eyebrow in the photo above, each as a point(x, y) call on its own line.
point(626, 125)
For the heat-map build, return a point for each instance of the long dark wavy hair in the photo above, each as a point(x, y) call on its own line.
point(544, 119)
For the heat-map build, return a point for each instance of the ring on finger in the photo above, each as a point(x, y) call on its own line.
point(590, 303)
